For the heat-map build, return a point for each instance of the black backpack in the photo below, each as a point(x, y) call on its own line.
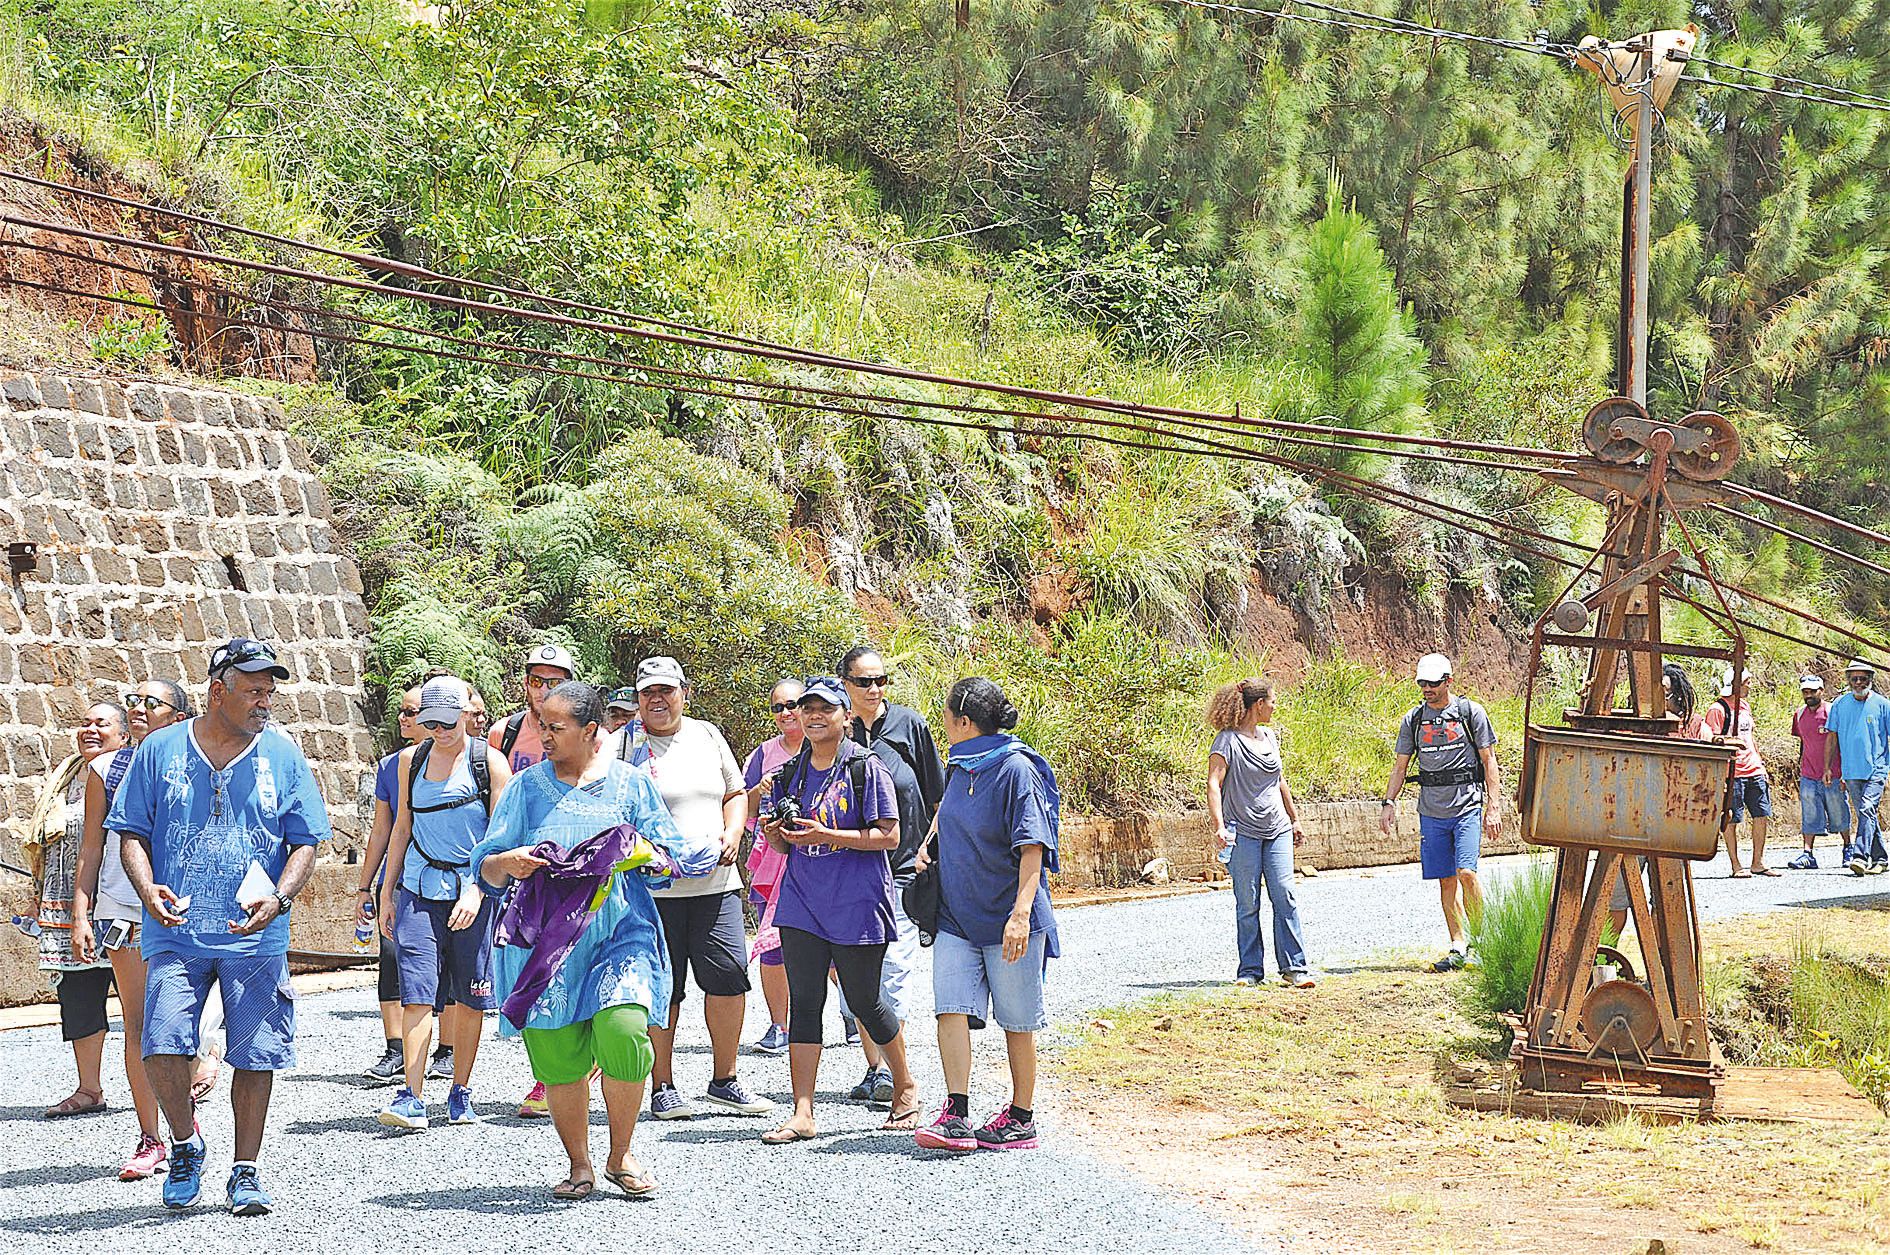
point(1471, 774)
point(790, 786)
point(508, 732)
point(481, 772)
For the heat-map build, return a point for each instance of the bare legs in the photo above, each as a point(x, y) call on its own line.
point(774, 990)
point(128, 974)
point(954, 1051)
point(1462, 899)
point(723, 1014)
point(571, 1116)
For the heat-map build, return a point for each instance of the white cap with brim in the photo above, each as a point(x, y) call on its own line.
point(1726, 682)
point(552, 654)
point(1858, 664)
point(660, 670)
point(1433, 667)
point(1810, 682)
point(442, 700)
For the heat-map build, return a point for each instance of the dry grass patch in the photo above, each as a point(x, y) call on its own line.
point(1320, 1114)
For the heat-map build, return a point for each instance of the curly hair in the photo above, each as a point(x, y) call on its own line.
point(1231, 702)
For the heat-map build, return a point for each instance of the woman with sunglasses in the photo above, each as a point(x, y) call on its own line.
point(79, 976)
point(439, 922)
point(103, 896)
point(765, 863)
point(835, 904)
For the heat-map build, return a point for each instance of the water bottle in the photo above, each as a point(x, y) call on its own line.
point(364, 930)
point(27, 924)
point(1226, 853)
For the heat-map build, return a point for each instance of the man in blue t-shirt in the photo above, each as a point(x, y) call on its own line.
point(1857, 729)
point(218, 819)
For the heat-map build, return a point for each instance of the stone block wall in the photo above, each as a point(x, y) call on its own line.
point(169, 519)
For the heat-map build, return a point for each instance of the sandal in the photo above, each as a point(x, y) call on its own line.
point(569, 1191)
point(76, 1104)
point(641, 1185)
point(1742, 874)
point(1765, 871)
point(785, 1136)
point(902, 1121)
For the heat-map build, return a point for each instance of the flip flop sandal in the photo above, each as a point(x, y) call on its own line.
point(633, 1187)
point(1742, 874)
point(569, 1191)
point(784, 1136)
point(1765, 871)
point(64, 1107)
point(902, 1121)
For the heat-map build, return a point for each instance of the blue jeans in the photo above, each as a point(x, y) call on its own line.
point(1251, 862)
point(1865, 797)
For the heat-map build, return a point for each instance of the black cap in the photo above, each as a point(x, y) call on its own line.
point(244, 654)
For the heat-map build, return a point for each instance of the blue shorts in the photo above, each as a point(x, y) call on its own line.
point(1822, 808)
point(438, 964)
point(1751, 795)
point(1448, 846)
point(258, 1007)
point(976, 981)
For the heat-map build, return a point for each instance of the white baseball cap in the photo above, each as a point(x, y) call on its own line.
point(1810, 682)
point(1726, 681)
point(551, 654)
point(1433, 667)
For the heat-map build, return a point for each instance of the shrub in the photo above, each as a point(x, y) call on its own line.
point(1508, 938)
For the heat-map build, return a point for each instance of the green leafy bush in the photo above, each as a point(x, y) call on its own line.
point(1507, 938)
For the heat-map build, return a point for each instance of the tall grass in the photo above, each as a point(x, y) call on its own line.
point(1507, 938)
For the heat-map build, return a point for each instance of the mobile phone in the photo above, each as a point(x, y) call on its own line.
point(117, 935)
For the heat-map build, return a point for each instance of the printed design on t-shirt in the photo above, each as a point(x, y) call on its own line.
point(205, 863)
point(177, 782)
point(830, 806)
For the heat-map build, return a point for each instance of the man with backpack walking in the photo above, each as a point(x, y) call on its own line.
point(1459, 796)
point(434, 912)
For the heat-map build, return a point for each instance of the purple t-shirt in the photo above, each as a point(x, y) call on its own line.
point(843, 896)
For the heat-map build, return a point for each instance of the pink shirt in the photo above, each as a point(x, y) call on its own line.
point(1746, 760)
point(1808, 726)
point(765, 863)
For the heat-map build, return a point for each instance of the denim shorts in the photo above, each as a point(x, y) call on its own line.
point(1822, 808)
point(1449, 846)
point(1751, 795)
point(976, 981)
point(258, 1007)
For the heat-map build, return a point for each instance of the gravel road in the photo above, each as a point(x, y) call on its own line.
point(343, 1183)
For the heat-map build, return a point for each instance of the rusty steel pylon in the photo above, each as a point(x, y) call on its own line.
point(1619, 796)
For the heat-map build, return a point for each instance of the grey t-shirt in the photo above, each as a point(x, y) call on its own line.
point(1250, 793)
point(1445, 740)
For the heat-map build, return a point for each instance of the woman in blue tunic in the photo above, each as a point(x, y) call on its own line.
point(579, 957)
point(997, 839)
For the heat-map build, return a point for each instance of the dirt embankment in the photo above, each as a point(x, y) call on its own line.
point(62, 318)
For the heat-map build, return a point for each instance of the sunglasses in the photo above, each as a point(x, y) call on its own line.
point(408, 712)
point(869, 681)
point(135, 700)
point(543, 681)
point(437, 725)
point(778, 707)
point(1429, 684)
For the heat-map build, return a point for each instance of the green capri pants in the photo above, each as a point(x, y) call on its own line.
point(616, 1040)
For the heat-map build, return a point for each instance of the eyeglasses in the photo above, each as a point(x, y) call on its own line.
point(778, 707)
point(135, 700)
point(869, 681)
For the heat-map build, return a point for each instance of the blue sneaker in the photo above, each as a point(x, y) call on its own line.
point(459, 1106)
point(773, 1042)
point(185, 1182)
point(1805, 862)
point(247, 1196)
point(404, 1111)
point(732, 1095)
point(667, 1104)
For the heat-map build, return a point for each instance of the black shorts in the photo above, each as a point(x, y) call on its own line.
point(82, 997)
point(704, 934)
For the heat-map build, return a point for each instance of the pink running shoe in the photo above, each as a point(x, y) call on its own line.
point(948, 1132)
point(534, 1107)
point(1004, 1133)
point(149, 1158)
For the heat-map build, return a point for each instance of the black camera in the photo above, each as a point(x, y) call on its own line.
point(785, 810)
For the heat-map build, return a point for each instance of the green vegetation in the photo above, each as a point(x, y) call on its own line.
point(1123, 198)
point(1507, 938)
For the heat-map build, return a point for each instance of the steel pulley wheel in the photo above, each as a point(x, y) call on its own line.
point(1715, 460)
point(1598, 430)
point(1622, 1002)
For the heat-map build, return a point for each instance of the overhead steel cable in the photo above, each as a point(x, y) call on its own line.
point(1800, 537)
point(791, 355)
point(1364, 488)
point(1694, 58)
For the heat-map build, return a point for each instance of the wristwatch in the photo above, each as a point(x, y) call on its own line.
point(282, 904)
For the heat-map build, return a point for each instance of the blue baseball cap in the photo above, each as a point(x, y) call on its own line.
point(827, 688)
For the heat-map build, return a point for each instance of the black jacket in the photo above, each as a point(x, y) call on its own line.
point(902, 741)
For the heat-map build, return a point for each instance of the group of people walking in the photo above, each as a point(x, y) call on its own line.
point(569, 867)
